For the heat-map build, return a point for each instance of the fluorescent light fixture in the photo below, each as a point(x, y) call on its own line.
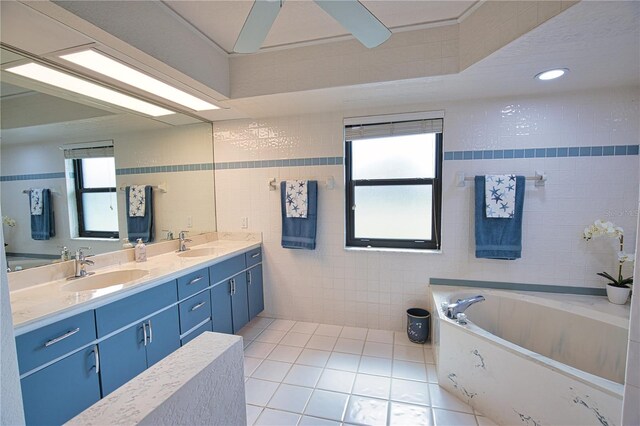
point(77, 85)
point(104, 65)
point(551, 74)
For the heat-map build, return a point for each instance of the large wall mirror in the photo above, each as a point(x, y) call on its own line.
point(46, 132)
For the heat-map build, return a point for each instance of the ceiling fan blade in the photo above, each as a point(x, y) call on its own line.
point(255, 29)
point(357, 19)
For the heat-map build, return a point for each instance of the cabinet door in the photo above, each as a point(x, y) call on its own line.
point(255, 290)
point(62, 390)
point(239, 302)
point(221, 308)
point(163, 334)
point(122, 357)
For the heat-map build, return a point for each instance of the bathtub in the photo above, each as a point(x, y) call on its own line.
point(534, 358)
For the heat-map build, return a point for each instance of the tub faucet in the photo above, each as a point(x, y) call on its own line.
point(80, 262)
point(183, 241)
point(453, 309)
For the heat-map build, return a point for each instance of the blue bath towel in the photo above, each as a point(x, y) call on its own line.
point(43, 226)
point(141, 226)
point(498, 238)
point(300, 233)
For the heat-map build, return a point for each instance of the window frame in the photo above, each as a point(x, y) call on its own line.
point(434, 243)
point(78, 180)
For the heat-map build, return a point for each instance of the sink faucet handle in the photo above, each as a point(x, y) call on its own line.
point(79, 252)
point(461, 318)
point(181, 235)
point(169, 234)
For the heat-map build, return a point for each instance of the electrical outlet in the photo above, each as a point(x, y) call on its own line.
point(245, 223)
point(189, 221)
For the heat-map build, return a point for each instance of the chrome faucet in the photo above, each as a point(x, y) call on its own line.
point(452, 310)
point(183, 241)
point(80, 262)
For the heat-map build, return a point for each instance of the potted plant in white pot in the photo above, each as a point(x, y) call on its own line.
point(618, 288)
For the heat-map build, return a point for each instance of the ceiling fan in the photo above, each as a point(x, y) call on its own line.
point(351, 14)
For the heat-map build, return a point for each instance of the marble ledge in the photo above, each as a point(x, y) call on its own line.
point(200, 383)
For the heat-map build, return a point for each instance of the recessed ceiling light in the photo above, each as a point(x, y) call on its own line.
point(551, 74)
point(104, 65)
point(77, 85)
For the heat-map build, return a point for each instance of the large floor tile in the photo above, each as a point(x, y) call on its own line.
point(282, 325)
point(351, 346)
point(377, 366)
point(249, 332)
point(336, 380)
point(305, 327)
point(250, 365)
point(354, 333)
point(440, 398)
point(428, 355)
point(432, 373)
point(259, 392)
point(272, 370)
point(328, 330)
point(285, 353)
point(408, 353)
point(295, 339)
point(260, 322)
point(259, 349)
point(400, 338)
point(342, 361)
point(271, 336)
point(290, 398)
point(409, 370)
point(406, 414)
point(270, 417)
point(303, 375)
point(410, 391)
point(366, 411)
point(327, 405)
point(325, 343)
point(380, 350)
point(372, 386)
point(380, 336)
point(313, 357)
point(452, 418)
point(316, 421)
point(253, 411)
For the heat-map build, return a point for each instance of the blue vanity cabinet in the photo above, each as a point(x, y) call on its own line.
point(239, 301)
point(255, 291)
point(198, 331)
point(163, 334)
point(62, 390)
point(221, 307)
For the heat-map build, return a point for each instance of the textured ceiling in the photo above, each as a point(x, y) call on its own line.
point(301, 21)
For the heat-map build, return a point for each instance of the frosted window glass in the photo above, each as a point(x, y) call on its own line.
point(100, 211)
point(393, 212)
point(411, 156)
point(99, 172)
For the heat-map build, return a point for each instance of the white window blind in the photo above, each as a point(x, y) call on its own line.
point(381, 130)
point(88, 150)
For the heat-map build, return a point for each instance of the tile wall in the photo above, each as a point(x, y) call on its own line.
point(373, 289)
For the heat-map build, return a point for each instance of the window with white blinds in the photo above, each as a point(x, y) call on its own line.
point(394, 183)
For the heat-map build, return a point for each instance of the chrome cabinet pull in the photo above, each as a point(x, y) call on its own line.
point(144, 332)
point(249, 278)
point(59, 338)
point(97, 355)
point(233, 286)
point(253, 256)
point(198, 306)
point(150, 332)
point(195, 280)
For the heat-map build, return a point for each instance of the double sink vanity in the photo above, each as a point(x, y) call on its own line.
point(79, 340)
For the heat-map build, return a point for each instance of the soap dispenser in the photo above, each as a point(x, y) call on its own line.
point(64, 253)
point(126, 244)
point(140, 251)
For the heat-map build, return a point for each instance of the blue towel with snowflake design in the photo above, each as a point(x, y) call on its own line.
point(497, 238)
point(500, 195)
point(141, 226)
point(298, 232)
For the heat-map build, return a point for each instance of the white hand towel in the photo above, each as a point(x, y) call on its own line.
point(296, 198)
point(36, 201)
point(136, 201)
point(500, 195)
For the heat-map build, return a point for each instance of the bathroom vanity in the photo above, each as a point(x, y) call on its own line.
point(78, 341)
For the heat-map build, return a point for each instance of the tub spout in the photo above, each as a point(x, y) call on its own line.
point(461, 305)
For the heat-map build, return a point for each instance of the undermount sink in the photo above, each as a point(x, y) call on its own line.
point(199, 252)
point(107, 279)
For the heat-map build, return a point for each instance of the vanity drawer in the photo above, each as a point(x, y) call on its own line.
point(52, 341)
point(198, 331)
point(253, 257)
point(130, 309)
point(194, 310)
point(226, 269)
point(193, 283)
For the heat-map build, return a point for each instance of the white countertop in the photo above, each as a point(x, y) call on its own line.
point(43, 304)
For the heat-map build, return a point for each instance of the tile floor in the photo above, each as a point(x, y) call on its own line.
point(300, 373)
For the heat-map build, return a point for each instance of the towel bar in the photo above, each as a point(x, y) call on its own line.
point(540, 179)
point(162, 187)
point(330, 182)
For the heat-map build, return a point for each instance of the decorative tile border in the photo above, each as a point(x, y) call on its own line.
point(33, 176)
point(292, 162)
point(164, 169)
point(575, 151)
point(591, 291)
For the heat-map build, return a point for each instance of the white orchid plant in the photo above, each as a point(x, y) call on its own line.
point(608, 229)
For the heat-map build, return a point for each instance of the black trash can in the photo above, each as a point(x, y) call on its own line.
point(418, 325)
